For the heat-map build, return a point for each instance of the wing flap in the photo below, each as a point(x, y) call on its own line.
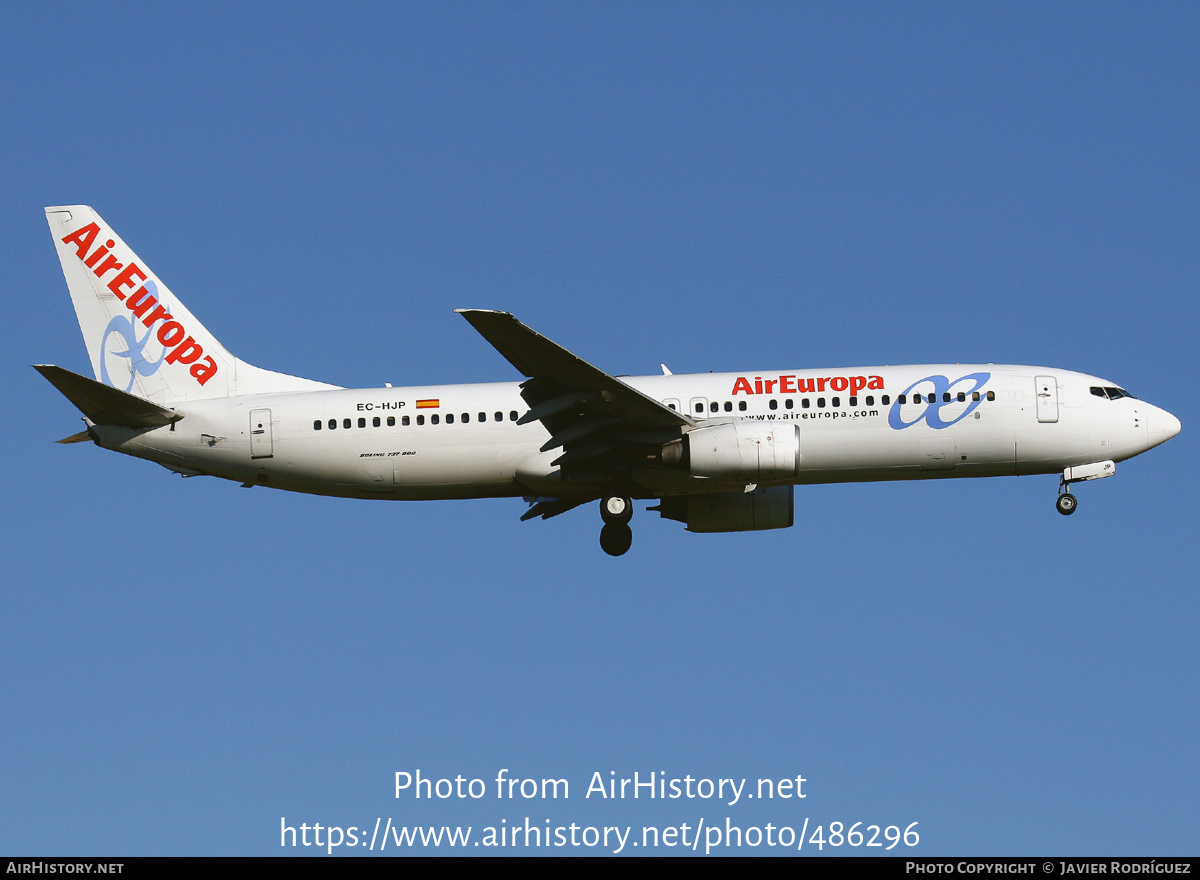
point(548, 507)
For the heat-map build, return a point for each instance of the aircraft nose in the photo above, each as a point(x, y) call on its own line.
point(1163, 426)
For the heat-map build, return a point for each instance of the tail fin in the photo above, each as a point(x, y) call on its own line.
point(140, 337)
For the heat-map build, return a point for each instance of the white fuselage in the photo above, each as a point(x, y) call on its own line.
point(464, 441)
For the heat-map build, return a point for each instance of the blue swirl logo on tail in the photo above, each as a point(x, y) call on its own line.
point(135, 348)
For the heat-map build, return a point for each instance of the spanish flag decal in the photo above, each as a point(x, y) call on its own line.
point(428, 404)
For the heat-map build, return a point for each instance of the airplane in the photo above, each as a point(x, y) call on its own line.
point(719, 452)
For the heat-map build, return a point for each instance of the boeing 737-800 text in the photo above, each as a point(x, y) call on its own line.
point(719, 452)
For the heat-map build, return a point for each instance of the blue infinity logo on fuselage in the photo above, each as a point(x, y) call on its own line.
point(942, 386)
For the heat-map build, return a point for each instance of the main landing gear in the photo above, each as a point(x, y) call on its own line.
point(616, 537)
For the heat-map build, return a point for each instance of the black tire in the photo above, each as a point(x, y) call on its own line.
point(1067, 504)
point(616, 539)
point(619, 516)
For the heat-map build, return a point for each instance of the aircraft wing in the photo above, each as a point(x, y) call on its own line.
point(597, 419)
point(558, 370)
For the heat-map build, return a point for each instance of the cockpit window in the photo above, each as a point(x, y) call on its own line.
point(1111, 393)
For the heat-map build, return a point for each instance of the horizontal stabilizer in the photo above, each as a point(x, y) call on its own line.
point(105, 405)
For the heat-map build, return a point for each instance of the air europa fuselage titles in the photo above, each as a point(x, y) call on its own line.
point(795, 385)
point(719, 452)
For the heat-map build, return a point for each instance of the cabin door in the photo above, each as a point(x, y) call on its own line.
point(260, 434)
point(1046, 390)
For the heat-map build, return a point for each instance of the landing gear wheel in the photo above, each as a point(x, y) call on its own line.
point(616, 509)
point(616, 539)
point(1066, 503)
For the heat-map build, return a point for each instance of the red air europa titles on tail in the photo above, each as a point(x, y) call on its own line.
point(181, 347)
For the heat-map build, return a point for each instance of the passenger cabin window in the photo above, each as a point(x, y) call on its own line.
point(345, 423)
point(512, 416)
point(789, 403)
point(434, 419)
point(332, 424)
point(741, 406)
point(375, 423)
point(420, 420)
point(362, 423)
point(317, 425)
point(449, 418)
point(728, 406)
point(773, 404)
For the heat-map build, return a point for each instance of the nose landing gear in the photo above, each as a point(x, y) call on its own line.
point(1080, 473)
point(1067, 503)
point(616, 537)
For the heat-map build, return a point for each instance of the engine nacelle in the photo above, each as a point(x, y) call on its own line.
point(745, 452)
point(770, 508)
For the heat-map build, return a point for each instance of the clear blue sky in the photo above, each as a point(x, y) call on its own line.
point(716, 186)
